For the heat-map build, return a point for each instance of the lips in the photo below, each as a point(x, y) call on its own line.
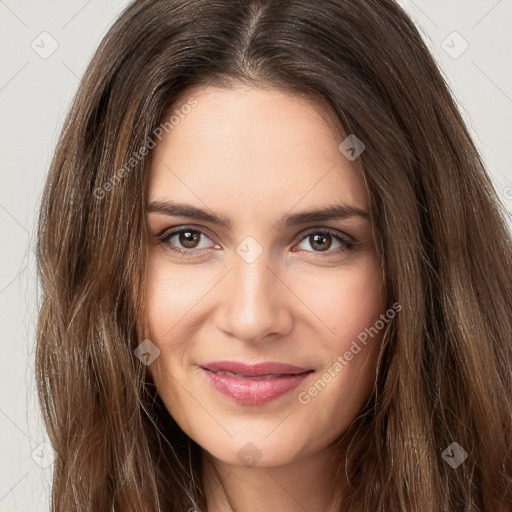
point(244, 370)
point(253, 384)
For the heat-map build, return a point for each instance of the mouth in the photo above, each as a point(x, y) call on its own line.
point(247, 370)
point(255, 377)
point(254, 384)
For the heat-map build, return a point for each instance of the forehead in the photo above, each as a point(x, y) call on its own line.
point(253, 150)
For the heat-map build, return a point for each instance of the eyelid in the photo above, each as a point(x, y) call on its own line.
point(170, 232)
point(331, 231)
point(343, 238)
point(177, 229)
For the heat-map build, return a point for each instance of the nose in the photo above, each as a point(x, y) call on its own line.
point(255, 302)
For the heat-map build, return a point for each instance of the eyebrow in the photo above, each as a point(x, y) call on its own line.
point(331, 212)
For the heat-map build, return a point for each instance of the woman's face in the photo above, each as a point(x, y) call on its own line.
point(269, 286)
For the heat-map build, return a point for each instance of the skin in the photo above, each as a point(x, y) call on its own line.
point(248, 154)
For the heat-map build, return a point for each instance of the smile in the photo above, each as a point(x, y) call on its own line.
point(253, 384)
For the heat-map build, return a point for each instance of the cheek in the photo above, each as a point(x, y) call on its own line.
point(172, 294)
point(347, 301)
point(350, 305)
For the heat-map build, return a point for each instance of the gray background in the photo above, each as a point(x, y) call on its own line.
point(36, 87)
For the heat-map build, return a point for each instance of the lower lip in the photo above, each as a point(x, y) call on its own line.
point(254, 392)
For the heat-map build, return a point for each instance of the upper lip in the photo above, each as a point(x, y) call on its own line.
point(254, 370)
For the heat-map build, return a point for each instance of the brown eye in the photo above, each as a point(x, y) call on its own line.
point(189, 239)
point(186, 241)
point(320, 242)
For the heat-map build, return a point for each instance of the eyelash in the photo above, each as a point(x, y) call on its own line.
point(347, 243)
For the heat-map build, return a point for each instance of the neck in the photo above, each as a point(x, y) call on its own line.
point(314, 483)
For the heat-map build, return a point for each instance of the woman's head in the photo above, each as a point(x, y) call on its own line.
point(262, 289)
point(277, 108)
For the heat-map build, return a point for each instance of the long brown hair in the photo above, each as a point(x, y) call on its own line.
point(444, 371)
